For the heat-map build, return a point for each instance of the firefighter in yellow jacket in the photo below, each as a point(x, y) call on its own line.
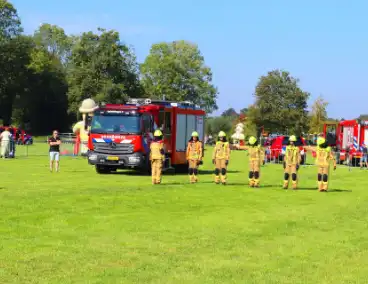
point(292, 160)
point(256, 158)
point(220, 158)
point(157, 157)
point(324, 156)
point(194, 156)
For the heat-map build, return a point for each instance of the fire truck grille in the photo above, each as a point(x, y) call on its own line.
point(115, 149)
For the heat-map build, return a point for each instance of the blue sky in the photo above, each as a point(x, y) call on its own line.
point(323, 43)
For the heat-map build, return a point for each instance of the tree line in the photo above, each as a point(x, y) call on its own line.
point(280, 106)
point(45, 76)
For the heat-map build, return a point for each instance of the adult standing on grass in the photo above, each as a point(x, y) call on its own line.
point(54, 143)
point(220, 158)
point(364, 159)
point(256, 158)
point(324, 156)
point(157, 156)
point(292, 160)
point(5, 137)
point(194, 156)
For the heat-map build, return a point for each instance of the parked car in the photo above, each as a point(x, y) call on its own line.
point(277, 147)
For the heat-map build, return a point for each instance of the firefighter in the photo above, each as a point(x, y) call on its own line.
point(324, 156)
point(291, 163)
point(220, 158)
point(194, 156)
point(256, 157)
point(157, 156)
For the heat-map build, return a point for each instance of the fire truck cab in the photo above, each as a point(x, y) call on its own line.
point(347, 136)
point(120, 134)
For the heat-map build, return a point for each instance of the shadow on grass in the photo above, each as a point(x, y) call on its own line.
point(339, 190)
point(330, 190)
point(167, 173)
point(218, 185)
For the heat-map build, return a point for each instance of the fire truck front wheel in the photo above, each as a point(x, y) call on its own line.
point(103, 169)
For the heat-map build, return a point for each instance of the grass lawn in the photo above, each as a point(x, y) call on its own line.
point(79, 227)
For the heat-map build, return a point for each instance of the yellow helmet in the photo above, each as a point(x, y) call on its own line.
point(320, 141)
point(292, 138)
point(252, 140)
point(222, 134)
point(157, 133)
point(195, 134)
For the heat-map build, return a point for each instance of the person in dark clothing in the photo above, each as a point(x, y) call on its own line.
point(364, 159)
point(54, 143)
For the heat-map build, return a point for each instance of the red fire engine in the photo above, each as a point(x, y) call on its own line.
point(347, 136)
point(120, 134)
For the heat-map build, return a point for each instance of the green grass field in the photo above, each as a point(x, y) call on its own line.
point(79, 227)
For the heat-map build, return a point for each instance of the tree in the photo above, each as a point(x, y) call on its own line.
point(54, 40)
point(47, 101)
point(10, 25)
point(230, 112)
point(11, 56)
point(35, 89)
point(14, 58)
point(363, 117)
point(217, 124)
point(177, 72)
point(244, 111)
point(318, 115)
point(208, 126)
point(250, 129)
point(101, 67)
point(280, 104)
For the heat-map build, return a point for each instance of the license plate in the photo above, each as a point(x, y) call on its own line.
point(113, 158)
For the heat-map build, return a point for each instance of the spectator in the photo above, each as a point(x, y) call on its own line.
point(364, 159)
point(5, 137)
point(54, 143)
point(267, 154)
point(348, 154)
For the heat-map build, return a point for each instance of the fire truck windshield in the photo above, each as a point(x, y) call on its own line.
point(116, 123)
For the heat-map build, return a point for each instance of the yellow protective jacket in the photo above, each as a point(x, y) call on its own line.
point(256, 153)
point(157, 151)
point(324, 156)
point(221, 151)
point(292, 155)
point(194, 150)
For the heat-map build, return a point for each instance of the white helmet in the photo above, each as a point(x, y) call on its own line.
point(88, 105)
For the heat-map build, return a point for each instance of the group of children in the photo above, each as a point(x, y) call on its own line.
point(221, 157)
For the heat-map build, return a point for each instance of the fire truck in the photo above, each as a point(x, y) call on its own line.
point(347, 136)
point(120, 134)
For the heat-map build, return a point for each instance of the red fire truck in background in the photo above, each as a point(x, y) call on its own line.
point(120, 134)
point(347, 136)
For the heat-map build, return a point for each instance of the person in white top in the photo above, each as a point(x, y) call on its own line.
point(5, 137)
